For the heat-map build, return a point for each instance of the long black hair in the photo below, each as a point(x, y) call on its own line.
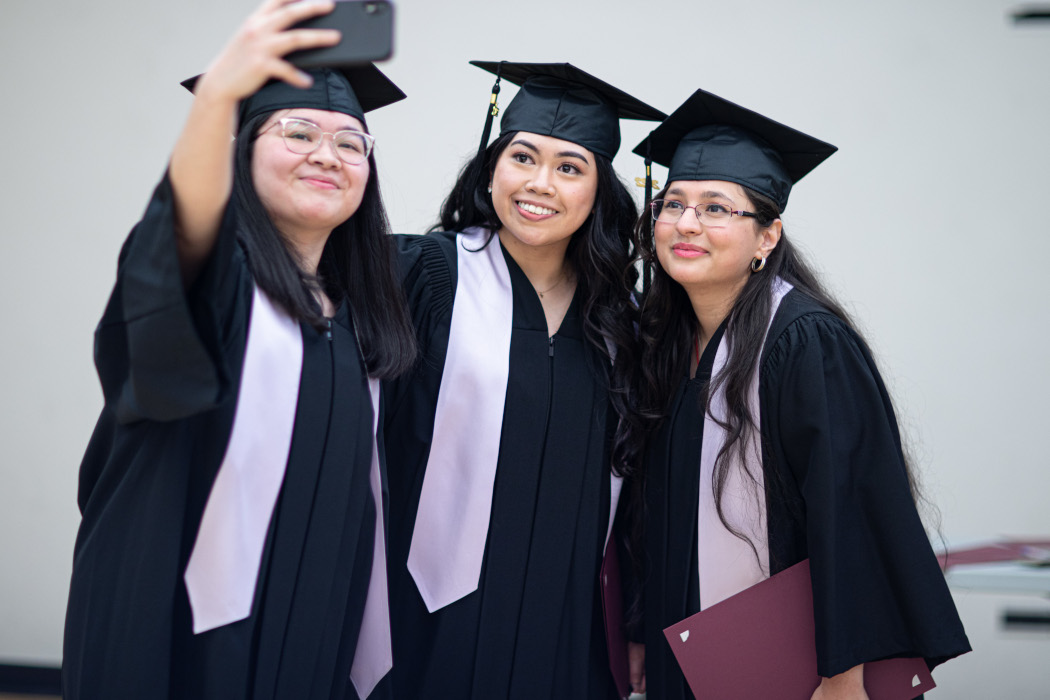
point(357, 265)
point(600, 253)
point(668, 327)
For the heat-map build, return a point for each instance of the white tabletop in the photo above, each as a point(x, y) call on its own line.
point(1001, 577)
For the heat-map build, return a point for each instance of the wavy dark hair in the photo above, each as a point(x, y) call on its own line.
point(357, 265)
point(600, 253)
point(668, 327)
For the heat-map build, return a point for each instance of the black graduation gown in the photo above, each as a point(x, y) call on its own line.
point(533, 629)
point(836, 492)
point(170, 365)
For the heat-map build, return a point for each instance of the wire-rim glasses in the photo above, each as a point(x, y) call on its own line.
point(670, 211)
point(303, 138)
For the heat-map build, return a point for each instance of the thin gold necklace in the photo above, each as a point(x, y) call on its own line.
point(552, 288)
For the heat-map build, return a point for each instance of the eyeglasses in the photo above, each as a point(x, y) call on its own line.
point(305, 137)
point(669, 211)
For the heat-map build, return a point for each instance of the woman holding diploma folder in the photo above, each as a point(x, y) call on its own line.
point(770, 437)
point(232, 537)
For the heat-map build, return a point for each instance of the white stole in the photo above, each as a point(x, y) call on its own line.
point(374, 655)
point(224, 565)
point(726, 563)
point(455, 503)
point(223, 568)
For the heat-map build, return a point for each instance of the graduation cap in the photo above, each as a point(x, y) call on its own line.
point(351, 90)
point(710, 138)
point(560, 100)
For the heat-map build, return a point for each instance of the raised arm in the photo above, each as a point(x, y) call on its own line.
point(201, 170)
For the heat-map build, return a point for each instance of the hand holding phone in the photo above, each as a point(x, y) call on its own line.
point(367, 28)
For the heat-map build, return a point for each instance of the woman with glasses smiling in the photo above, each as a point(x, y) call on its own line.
point(770, 437)
point(232, 543)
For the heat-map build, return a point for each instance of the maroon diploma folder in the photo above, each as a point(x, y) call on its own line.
point(759, 643)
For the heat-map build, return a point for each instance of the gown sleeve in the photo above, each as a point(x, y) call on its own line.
point(878, 591)
point(428, 276)
point(158, 347)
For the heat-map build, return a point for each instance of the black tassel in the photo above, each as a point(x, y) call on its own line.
point(647, 266)
point(492, 111)
point(648, 179)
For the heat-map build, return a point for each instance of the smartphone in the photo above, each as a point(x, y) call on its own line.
point(368, 35)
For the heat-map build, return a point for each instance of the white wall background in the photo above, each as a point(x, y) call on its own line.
point(930, 222)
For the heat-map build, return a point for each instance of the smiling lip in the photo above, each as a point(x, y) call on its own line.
point(687, 250)
point(538, 212)
point(322, 182)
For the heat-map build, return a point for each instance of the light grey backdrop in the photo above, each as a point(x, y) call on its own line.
point(929, 222)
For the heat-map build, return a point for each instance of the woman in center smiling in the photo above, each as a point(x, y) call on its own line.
point(503, 476)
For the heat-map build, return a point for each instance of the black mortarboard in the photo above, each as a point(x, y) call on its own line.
point(560, 100)
point(351, 90)
point(709, 138)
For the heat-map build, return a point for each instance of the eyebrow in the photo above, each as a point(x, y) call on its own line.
point(574, 154)
point(347, 127)
point(713, 194)
point(561, 154)
point(710, 194)
point(524, 143)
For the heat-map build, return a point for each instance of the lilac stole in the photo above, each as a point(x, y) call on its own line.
point(726, 563)
point(374, 655)
point(452, 519)
point(223, 567)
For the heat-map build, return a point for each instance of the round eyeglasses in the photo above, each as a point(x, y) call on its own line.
point(669, 211)
point(305, 137)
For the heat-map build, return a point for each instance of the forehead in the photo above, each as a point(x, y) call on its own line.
point(328, 121)
point(551, 145)
point(708, 189)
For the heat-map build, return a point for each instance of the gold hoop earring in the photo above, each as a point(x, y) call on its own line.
point(757, 264)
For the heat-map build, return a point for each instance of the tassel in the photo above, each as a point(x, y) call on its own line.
point(647, 266)
point(492, 111)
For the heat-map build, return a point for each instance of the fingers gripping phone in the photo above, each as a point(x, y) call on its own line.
point(367, 27)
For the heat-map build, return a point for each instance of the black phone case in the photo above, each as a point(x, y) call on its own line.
point(368, 35)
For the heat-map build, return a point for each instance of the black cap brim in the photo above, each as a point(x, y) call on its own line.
point(626, 106)
point(799, 152)
point(562, 101)
point(370, 90)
